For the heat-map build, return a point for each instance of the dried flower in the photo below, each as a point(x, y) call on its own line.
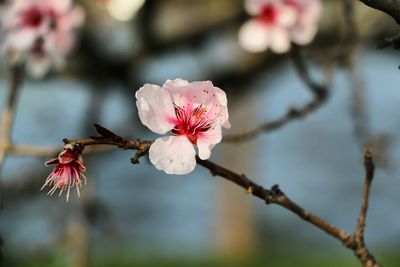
point(193, 112)
point(68, 171)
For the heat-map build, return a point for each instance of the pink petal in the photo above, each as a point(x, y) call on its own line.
point(21, 40)
point(287, 16)
point(203, 94)
point(174, 84)
point(254, 7)
point(155, 107)
point(52, 161)
point(60, 6)
point(173, 155)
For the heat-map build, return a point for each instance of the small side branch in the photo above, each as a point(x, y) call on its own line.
point(390, 7)
point(388, 41)
point(320, 94)
point(360, 249)
point(8, 114)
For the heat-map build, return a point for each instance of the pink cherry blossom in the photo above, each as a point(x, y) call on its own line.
point(39, 32)
point(194, 113)
point(277, 23)
point(67, 173)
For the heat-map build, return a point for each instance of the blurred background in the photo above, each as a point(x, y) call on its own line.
point(134, 215)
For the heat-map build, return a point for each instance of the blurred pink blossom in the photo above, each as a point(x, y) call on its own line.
point(39, 33)
point(306, 26)
point(193, 112)
point(67, 173)
point(277, 23)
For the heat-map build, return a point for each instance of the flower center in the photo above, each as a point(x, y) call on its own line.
point(32, 17)
point(268, 14)
point(191, 123)
point(38, 48)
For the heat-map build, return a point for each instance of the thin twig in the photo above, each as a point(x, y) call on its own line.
point(40, 151)
point(320, 94)
point(369, 175)
point(6, 126)
point(390, 7)
point(360, 249)
point(8, 114)
point(7, 120)
point(274, 195)
point(388, 41)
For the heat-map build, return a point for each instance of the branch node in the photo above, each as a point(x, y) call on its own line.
point(250, 190)
point(135, 158)
point(276, 190)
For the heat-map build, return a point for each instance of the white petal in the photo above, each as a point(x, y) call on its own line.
point(303, 34)
point(208, 140)
point(253, 7)
point(21, 40)
point(313, 9)
point(38, 67)
point(155, 107)
point(173, 155)
point(224, 114)
point(173, 84)
point(280, 42)
point(253, 36)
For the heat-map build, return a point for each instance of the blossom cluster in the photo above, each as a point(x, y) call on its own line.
point(38, 33)
point(277, 23)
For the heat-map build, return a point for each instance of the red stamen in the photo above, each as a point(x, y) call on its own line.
point(268, 14)
point(32, 17)
point(191, 123)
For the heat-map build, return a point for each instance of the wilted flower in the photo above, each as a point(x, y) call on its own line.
point(276, 23)
point(194, 113)
point(68, 171)
point(39, 32)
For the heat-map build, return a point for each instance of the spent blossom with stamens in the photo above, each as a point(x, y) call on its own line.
point(193, 113)
point(39, 33)
point(68, 171)
point(277, 23)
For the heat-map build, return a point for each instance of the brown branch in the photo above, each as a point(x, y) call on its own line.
point(360, 250)
point(8, 113)
point(6, 125)
point(274, 195)
point(40, 151)
point(390, 7)
point(320, 94)
point(388, 41)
